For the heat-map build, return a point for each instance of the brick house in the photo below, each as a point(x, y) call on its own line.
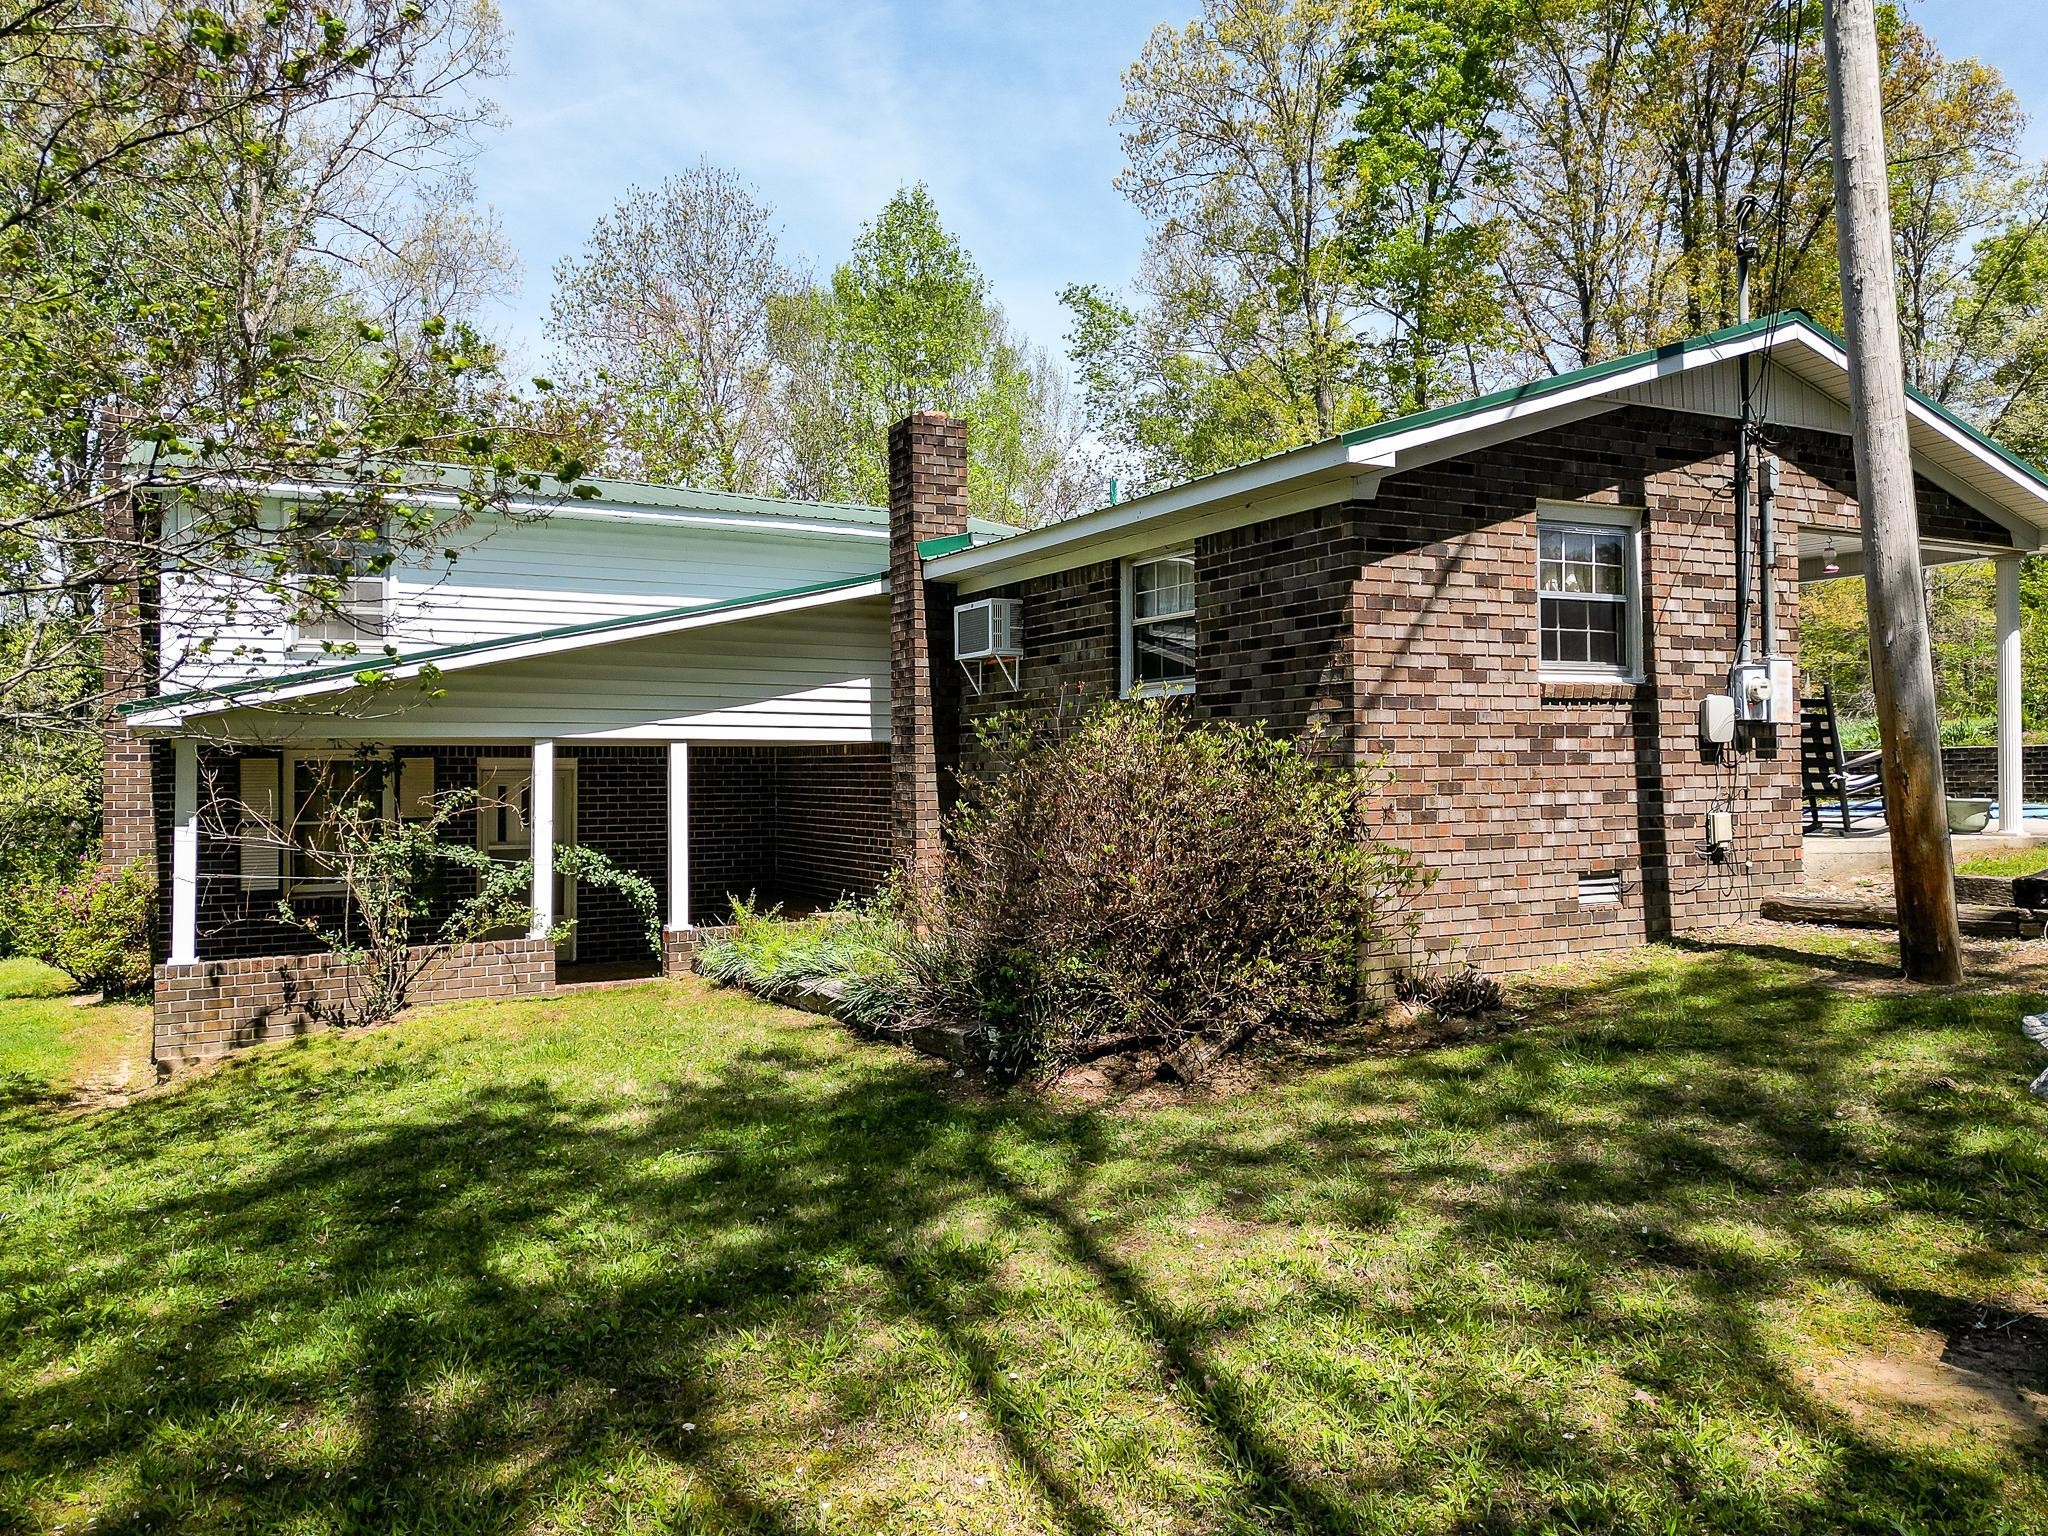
point(1516, 605)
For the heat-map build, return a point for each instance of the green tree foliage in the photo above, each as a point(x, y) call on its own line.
point(662, 323)
point(906, 324)
point(1244, 334)
point(236, 246)
point(1430, 77)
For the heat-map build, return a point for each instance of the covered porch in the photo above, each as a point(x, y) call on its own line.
point(1848, 846)
point(718, 756)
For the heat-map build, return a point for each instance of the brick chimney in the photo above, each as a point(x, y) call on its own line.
point(127, 671)
point(927, 500)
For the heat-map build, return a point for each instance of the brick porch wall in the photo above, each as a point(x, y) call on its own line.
point(1973, 772)
point(218, 1006)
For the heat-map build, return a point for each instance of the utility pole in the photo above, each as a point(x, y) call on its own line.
point(1901, 664)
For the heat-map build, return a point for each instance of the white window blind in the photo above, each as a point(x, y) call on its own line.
point(259, 829)
point(415, 788)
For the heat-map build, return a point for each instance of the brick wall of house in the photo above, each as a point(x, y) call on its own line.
point(832, 827)
point(217, 1006)
point(1411, 621)
point(1277, 623)
point(1072, 652)
point(732, 828)
point(622, 813)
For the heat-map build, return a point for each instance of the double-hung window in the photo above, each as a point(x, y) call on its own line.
point(319, 789)
point(1159, 624)
point(343, 590)
point(1586, 592)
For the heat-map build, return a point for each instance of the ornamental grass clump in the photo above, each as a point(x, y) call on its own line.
point(859, 948)
point(1148, 881)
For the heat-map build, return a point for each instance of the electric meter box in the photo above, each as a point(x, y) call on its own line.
point(1763, 692)
point(988, 629)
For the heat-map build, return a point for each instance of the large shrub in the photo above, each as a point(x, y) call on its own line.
point(49, 815)
point(398, 916)
point(1146, 879)
point(94, 925)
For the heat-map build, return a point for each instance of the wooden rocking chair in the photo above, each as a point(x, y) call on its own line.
point(1824, 773)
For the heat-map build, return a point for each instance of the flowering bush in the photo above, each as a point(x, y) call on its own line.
point(94, 926)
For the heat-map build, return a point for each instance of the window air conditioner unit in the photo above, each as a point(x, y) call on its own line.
point(989, 630)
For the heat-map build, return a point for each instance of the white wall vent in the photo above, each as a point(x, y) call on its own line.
point(1600, 888)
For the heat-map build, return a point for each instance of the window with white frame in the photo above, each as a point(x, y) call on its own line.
point(1586, 593)
point(1159, 624)
point(317, 790)
point(343, 591)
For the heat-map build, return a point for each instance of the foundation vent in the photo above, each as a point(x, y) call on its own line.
point(1600, 888)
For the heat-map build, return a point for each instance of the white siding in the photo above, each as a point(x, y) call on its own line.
point(512, 577)
point(1783, 399)
point(821, 675)
point(571, 570)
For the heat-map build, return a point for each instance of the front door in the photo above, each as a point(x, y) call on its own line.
point(504, 798)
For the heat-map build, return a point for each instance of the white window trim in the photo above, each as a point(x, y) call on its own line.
point(1596, 517)
point(485, 765)
point(289, 880)
point(1126, 625)
point(299, 642)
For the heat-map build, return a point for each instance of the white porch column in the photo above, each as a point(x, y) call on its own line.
point(185, 853)
point(2011, 775)
point(540, 825)
point(678, 836)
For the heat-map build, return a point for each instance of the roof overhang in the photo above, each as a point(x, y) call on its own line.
point(1948, 451)
point(169, 713)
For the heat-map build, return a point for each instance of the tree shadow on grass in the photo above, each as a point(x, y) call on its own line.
point(302, 1302)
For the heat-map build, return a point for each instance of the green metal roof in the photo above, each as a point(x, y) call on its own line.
point(944, 544)
point(1563, 381)
point(362, 666)
point(645, 495)
point(1539, 388)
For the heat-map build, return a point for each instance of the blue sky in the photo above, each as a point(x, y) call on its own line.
point(1001, 108)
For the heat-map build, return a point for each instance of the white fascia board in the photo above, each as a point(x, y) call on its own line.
point(1996, 478)
point(515, 649)
point(1314, 476)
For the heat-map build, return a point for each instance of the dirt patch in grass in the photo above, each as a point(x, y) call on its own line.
point(1937, 1389)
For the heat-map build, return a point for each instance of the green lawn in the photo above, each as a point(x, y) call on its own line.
point(663, 1259)
point(2007, 866)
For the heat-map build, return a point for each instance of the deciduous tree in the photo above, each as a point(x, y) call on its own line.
point(664, 318)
